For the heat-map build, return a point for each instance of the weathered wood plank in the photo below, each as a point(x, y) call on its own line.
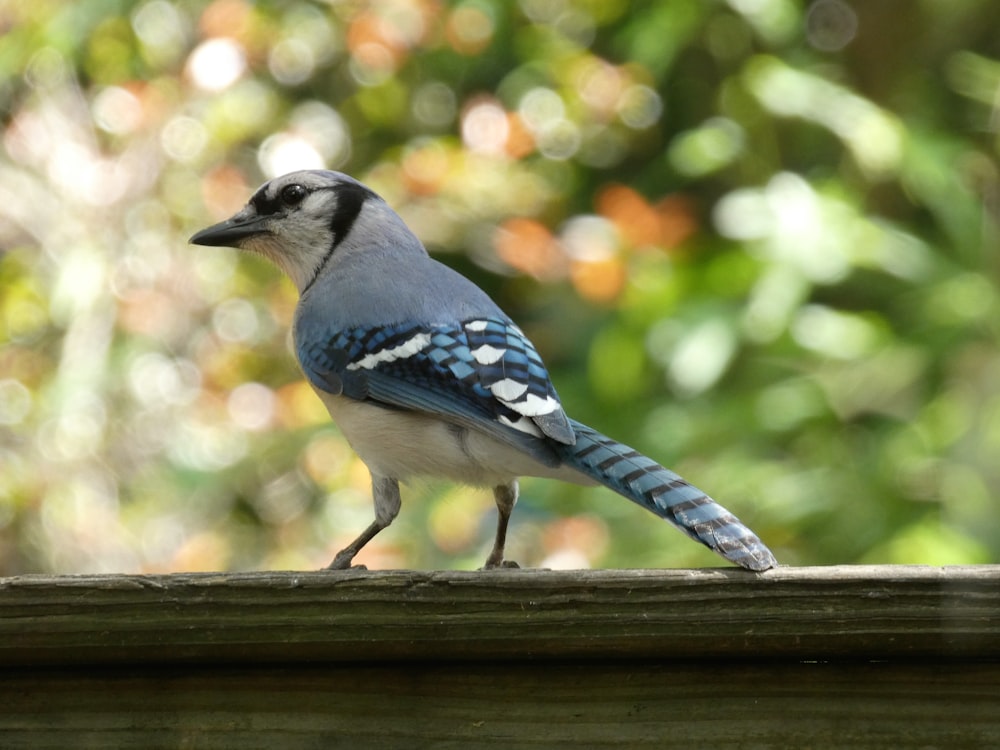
point(851, 612)
point(866, 657)
point(592, 704)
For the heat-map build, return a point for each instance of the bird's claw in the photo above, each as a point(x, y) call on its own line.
point(508, 564)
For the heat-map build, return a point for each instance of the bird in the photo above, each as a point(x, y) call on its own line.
point(425, 375)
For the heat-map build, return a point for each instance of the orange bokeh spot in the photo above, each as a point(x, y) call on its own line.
point(370, 45)
point(299, 406)
point(229, 18)
point(636, 220)
point(469, 30)
point(599, 281)
point(426, 169)
point(224, 191)
point(666, 224)
point(207, 550)
point(520, 141)
point(678, 219)
point(585, 533)
point(528, 246)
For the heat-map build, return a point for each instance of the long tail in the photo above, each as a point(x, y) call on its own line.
point(645, 482)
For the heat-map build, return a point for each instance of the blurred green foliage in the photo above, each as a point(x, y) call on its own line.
point(756, 239)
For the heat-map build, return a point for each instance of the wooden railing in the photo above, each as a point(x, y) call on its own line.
point(873, 656)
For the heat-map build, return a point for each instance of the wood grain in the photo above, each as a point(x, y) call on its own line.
point(864, 657)
point(592, 704)
point(800, 613)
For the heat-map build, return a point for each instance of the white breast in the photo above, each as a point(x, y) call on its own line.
point(405, 445)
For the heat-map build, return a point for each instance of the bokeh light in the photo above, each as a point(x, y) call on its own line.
point(217, 64)
point(756, 239)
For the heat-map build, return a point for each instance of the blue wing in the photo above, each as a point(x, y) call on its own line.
point(481, 373)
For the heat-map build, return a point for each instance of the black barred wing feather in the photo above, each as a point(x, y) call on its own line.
point(507, 365)
point(642, 480)
point(480, 372)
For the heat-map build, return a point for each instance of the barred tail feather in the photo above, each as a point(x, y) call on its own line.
point(645, 482)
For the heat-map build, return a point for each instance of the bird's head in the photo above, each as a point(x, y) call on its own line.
point(297, 220)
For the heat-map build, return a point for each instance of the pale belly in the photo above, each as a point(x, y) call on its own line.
point(406, 445)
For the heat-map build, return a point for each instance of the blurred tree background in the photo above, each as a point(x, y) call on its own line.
point(756, 239)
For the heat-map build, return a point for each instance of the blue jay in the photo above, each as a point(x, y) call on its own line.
point(426, 376)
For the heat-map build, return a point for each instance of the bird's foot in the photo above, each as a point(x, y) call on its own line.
point(495, 564)
point(343, 562)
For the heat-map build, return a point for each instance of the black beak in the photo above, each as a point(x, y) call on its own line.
point(231, 232)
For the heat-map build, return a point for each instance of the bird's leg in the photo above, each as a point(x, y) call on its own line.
point(385, 493)
point(505, 496)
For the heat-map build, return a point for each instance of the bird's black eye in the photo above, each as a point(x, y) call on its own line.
point(292, 195)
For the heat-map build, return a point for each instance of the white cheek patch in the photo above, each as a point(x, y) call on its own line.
point(263, 244)
point(401, 351)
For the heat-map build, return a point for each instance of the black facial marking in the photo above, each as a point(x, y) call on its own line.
point(263, 205)
point(288, 197)
point(350, 198)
